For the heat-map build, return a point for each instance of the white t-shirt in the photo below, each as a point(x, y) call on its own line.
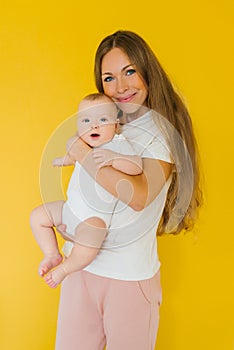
point(129, 251)
point(86, 198)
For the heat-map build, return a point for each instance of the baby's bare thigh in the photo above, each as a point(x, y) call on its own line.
point(91, 232)
point(54, 211)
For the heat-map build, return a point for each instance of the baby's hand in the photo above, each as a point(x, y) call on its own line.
point(104, 157)
point(61, 228)
point(63, 161)
point(58, 161)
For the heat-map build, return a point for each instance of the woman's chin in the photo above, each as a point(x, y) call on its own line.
point(128, 108)
point(132, 110)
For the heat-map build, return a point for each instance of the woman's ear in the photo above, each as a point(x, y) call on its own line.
point(120, 112)
point(117, 130)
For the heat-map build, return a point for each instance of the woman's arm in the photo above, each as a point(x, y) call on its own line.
point(137, 191)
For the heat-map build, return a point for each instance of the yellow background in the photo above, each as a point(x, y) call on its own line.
point(46, 65)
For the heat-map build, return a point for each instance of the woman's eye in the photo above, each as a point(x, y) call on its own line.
point(108, 79)
point(130, 71)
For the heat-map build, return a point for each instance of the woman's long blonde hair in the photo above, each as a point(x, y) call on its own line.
point(165, 101)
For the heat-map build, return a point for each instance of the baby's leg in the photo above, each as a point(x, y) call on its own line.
point(42, 220)
point(88, 239)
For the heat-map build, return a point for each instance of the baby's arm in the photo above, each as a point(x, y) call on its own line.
point(66, 160)
point(128, 164)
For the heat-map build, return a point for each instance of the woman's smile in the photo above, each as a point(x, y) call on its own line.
point(124, 99)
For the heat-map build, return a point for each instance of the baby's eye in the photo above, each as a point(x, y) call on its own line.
point(108, 79)
point(103, 120)
point(85, 120)
point(130, 71)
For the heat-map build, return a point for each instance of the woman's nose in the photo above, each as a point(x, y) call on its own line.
point(121, 85)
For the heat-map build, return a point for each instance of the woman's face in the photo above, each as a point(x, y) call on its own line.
point(122, 82)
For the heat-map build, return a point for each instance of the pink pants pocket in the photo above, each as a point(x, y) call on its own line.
point(150, 289)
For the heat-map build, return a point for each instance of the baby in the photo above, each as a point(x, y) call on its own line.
point(87, 226)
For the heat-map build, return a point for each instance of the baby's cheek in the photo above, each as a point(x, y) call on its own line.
point(83, 132)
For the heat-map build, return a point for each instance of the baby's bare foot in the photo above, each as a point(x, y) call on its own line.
point(48, 263)
point(55, 277)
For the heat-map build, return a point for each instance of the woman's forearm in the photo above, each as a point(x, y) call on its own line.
point(137, 191)
point(129, 189)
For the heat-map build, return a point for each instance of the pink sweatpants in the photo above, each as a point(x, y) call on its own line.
point(96, 311)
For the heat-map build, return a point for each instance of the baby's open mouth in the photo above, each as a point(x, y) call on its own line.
point(94, 135)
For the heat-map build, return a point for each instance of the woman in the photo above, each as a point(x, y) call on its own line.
point(116, 299)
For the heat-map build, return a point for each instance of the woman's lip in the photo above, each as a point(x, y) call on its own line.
point(125, 99)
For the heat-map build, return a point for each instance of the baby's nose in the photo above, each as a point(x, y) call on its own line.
point(95, 125)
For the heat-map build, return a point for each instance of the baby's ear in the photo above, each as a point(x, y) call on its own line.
point(117, 130)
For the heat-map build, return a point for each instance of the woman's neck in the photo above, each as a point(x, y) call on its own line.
point(129, 117)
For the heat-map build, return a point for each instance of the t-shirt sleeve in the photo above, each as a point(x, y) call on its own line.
point(158, 149)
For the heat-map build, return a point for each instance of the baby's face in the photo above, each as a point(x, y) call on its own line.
point(97, 121)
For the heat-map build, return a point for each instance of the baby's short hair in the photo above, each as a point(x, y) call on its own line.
point(97, 96)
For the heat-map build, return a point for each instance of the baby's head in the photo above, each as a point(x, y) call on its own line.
point(97, 119)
